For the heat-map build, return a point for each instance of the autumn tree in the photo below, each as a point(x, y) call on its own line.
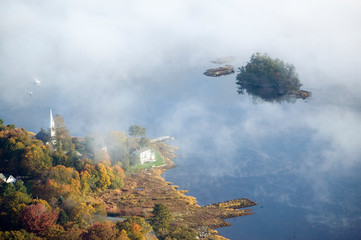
point(83, 215)
point(35, 159)
point(53, 232)
point(123, 235)
point(103, 175)
point(13, 198)
point(22, 155)
point(117, 177)
point(136, 227)
point(73, 234)
point(62, 174)
point(60, 158)
point(90, 177)
point(58, 181)
point(85, 182)
point(101, 231)
point(18, 235)
point(37, 217)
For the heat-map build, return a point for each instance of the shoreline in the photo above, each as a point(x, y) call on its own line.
point(143, 189)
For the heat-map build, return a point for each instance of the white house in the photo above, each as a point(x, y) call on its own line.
point(2, 177)
point(145, 155)
point(9, 179)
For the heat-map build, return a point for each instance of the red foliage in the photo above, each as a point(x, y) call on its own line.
point(37, 217)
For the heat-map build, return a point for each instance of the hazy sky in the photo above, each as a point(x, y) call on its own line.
point(105, 63)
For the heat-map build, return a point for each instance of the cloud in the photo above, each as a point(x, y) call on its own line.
point(340, 127)
point(126, 40)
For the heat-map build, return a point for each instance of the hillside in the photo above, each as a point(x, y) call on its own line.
point(67, 193)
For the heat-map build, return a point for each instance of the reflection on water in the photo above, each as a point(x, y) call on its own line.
point(270, 79)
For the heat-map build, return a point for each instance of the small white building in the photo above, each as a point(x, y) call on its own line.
point(9, 179)
point(2, 177)
point(145, 155)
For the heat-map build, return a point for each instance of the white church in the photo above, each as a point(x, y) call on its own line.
point(52, 129)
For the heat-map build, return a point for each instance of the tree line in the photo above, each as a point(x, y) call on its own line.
point(54, 199)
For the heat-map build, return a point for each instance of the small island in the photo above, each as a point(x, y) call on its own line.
point(217, 72)
point(270, 79)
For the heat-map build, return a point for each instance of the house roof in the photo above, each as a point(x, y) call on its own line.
point(5, 177)
point(143, 149)
point(2, 176)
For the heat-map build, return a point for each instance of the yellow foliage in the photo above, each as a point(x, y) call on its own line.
point(83, 215)
point(123, 235)
point(62, 174)
point(84, 178)
point(104, 178)
point(42, 201)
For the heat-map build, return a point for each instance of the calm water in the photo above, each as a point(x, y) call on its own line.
point(298, 161)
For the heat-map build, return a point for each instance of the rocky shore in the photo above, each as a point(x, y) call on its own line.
point(142, 190)
point(217, 72)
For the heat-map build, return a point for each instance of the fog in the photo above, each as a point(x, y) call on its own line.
point(103, 57)
point(107, 65)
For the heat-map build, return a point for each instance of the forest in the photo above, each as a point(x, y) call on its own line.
point(57, 181)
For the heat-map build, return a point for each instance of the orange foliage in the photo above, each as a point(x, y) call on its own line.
point(60, 181)
point(118, 171)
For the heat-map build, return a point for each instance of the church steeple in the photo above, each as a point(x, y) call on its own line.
point(52, 125)
point(52, 128)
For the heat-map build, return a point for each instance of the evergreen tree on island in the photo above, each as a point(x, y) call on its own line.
point(269, 79)
point(136, 131)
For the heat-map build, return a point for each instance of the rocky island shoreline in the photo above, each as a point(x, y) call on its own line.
point(220, 71)
point(142, 190)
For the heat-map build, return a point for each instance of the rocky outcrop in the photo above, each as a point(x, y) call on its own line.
point(217, 72)
point(299, 94)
